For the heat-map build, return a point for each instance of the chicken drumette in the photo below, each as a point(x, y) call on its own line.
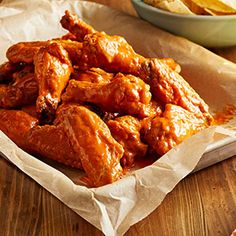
point(52, 70)
point(124, 94)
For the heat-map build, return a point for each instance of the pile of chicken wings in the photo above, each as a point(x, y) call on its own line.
point(89, 101)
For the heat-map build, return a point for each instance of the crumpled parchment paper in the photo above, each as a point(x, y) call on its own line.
point(114, 208)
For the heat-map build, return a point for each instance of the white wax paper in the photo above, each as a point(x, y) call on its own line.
point(114, 208)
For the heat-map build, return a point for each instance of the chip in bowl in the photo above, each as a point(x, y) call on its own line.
point(196, 7)
point(225, 6)
point(175, 6)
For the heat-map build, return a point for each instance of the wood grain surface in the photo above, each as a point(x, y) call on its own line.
point(202, 204)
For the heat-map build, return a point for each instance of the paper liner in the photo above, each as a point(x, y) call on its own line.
point(114, 208)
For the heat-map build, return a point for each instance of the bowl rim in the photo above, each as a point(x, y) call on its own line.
point(196, 17)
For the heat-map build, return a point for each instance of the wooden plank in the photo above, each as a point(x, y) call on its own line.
point(202, 204)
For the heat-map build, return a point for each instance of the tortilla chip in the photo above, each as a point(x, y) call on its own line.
point(216, 5)
point(194, 7)
point(216, 13)
point(175, 6)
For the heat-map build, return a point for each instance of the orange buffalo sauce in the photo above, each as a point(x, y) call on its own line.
point(225, 115)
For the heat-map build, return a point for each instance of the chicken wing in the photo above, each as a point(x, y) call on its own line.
point(69, 36)
point(174, 126)
point(126, 131)
point(6, 71)
point(52, 70)
point(113, 53)
point(79, 135)
point(24, 51)
point(22, 91)
point(16, 125)
point(124, 94)
point(168, 86)
point(100, 154)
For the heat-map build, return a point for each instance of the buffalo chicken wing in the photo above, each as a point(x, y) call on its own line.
point(99, 152)
point(52, 70)
point(79, 138)
point(124, 94)
point(172, 127)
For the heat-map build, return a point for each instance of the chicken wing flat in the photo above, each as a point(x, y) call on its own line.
point(52, 70)
point(52, 142)
point(16, 125)
point(167, 86)
point(174, 126)
point(91, 139)
point(125, 94)
point(126, 130)
point(23, 90)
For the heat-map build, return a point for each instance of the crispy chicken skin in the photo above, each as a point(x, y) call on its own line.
point(52, 70)
point(171, 63)
point(174, 126)
point(16, 125)
point(6, 71)
point(126, 130)
point(125, 94)
point(23, 90)
point(80, 29)
point(91, 139)
point(51, 142)
point(167, 86)
point(30, 109)
point(79, 138)
point(24, 51)
point(69, 36)
point(93, 75)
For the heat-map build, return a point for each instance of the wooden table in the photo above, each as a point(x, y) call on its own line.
point(204, 203)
